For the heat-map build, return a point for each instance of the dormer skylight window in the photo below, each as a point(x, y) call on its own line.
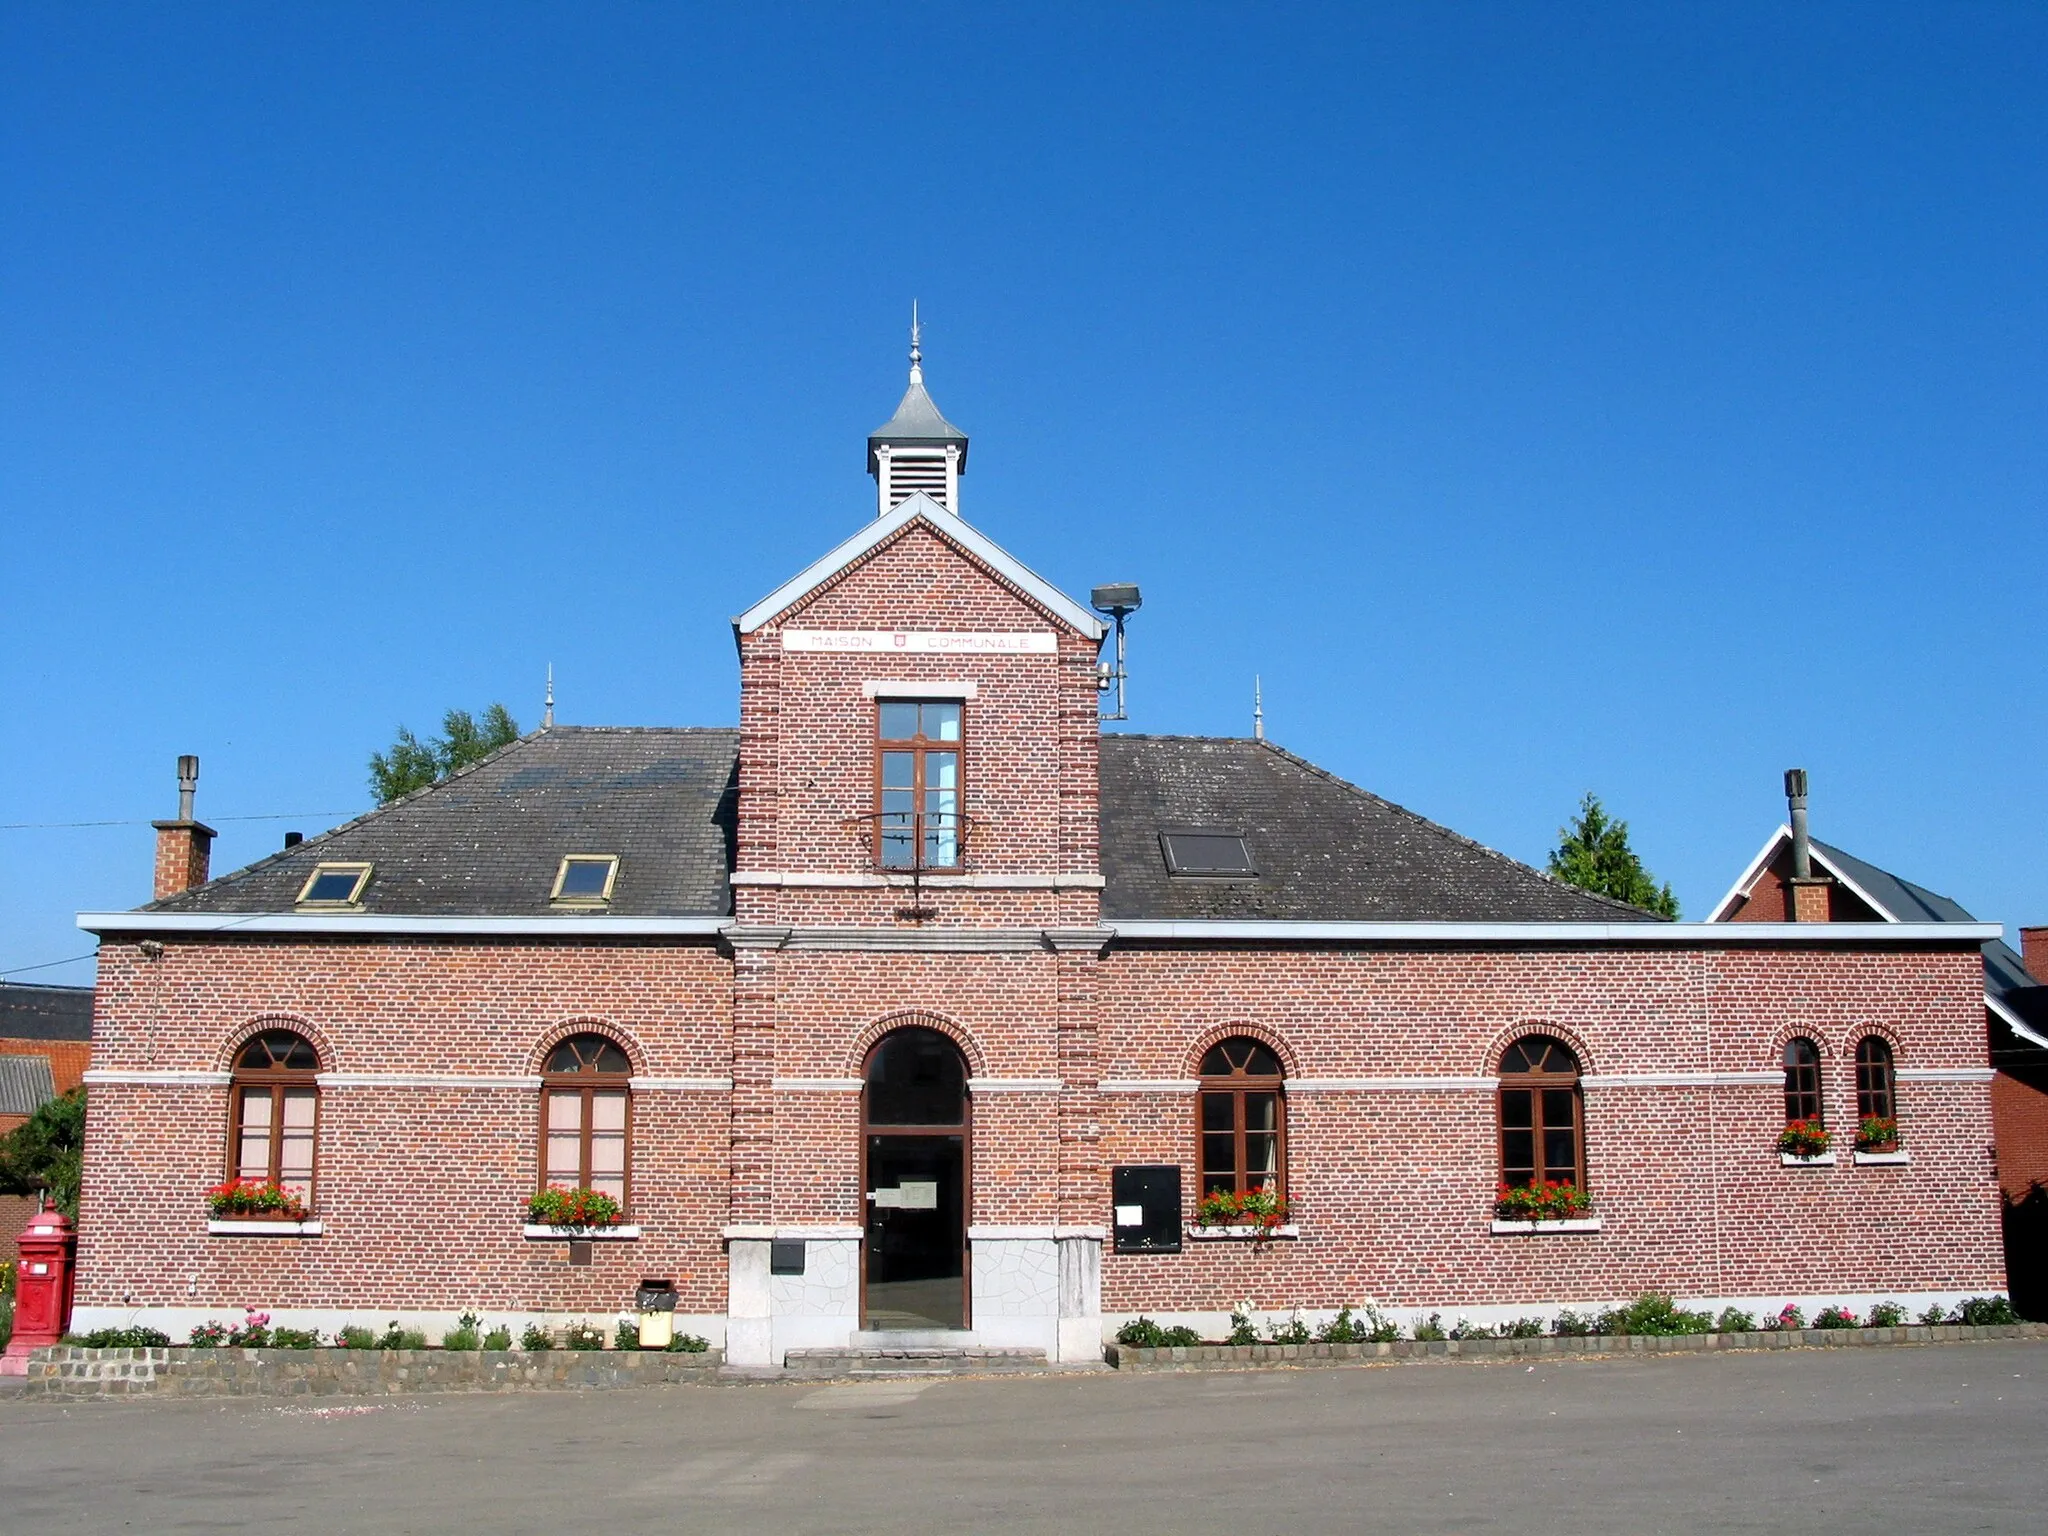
point(335, 886)
point(1216, 855)
point(585, 879)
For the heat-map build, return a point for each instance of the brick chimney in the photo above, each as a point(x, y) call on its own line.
point(184, 848)
point(2034, 950)
point(1809, 893)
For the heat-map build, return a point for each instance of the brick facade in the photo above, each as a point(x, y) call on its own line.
point(748, 1046)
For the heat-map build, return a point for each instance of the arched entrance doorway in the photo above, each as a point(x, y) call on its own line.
point(914, 1131)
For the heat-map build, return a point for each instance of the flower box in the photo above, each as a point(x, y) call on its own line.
point(1253, 1216)
point(263, 1227)
point(256, 1200)
point(1241, 1233)
point(559, 1206)
point(1893, 1158)
point(617, 1232)
point(1818, 1160)
point(1806, 1140)
point(1553, 1200)
point(1567, 1224)
point(1877, 1133)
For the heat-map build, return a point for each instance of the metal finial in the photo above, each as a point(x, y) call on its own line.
point(1258, 709)
point(547, 716)
point(916, 351)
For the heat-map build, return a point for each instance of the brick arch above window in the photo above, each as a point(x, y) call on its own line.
point(871, 1034)
point(555, 1034)
point(1861, 1031)
point(1242, 1029)
point(1574, 1041)
point(1806, 1029)
point(298, 1024)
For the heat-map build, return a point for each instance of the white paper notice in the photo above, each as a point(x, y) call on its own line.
point(887, 1198)
point(1130, 1215)
point(918, 1197)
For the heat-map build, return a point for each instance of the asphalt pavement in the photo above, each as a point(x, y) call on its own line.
point(1941, 1438)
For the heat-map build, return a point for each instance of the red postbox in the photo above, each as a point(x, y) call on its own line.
point(42, 1288)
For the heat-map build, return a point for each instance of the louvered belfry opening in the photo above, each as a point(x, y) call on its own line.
point(914, 469)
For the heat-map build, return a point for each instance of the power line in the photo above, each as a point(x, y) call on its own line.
point(23, 970)
point(44, 826)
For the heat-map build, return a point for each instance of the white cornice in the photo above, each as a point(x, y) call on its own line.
point(1717, 935)
point(948, 527)
point(355, 925)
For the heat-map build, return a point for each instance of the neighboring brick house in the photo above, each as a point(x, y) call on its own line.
point(1839, 887)
point(917, 1005)
point(45, 1045)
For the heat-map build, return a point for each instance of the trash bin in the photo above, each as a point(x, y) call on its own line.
point(655, 1301)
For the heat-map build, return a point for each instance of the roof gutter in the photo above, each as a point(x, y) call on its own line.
point(353, 924)
point(1726, 935)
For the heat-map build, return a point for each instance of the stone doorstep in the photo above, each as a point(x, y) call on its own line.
point(1239, 1357)
point(913, 1360)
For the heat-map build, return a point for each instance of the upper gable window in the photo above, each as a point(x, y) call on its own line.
point(335, 885)
point(1207, 853)
point(586, 879)
point(918, 816)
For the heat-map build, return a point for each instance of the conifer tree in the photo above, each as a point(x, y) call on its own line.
point(1593, 854)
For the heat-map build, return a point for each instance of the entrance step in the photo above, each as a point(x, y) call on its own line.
point(897, 1359)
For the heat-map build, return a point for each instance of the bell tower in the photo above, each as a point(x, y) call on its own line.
point(917, 449)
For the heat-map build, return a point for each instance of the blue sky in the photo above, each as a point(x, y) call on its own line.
point(1540, 397)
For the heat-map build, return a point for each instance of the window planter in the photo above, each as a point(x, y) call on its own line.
point(257, 1200)
point(617, 1233)
point(1816, 1160)
point(1242, 1234)
point(1894, 1158)
point(1567, 1224)
point(262, 1226)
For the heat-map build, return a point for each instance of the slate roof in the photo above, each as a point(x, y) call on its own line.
point(45, 1013)
point(25, 1084)
point(2006, 977)
point(1325, 850)
point(488, 840)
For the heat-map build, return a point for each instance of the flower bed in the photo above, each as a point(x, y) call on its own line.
point(1552, 1200)
point(255, 1200)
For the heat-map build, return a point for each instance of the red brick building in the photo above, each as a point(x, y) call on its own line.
point(1823, 883)
point(919, 1003)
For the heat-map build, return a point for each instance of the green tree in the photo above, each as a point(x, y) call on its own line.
point(43, 1152)
point(412, 764)
point(1593, 854)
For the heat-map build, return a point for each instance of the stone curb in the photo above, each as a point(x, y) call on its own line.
point(68, 1370)
point(1241, 1357)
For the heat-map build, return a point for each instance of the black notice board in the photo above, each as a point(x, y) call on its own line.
point(1151, 1193)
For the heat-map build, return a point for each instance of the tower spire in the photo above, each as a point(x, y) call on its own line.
point(547, 714)
point(917, 449)
point(1258, 709)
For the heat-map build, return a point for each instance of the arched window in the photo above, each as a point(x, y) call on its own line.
point(1242, 1120)
point(1541, 1121)
point(586, 1113)
point(276, 1114)
point(1802, 1081)
point(1876, 1085)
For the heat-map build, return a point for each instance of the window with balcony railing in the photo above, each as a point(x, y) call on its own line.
point(918, 816)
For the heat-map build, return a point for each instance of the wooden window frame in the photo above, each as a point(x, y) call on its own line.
point(1536, 1084)
point(1235, 1085)
point(278, 1080)
point(918, 746)
point(1866, 1092)
point(586, 1085)
point(1803, 1083)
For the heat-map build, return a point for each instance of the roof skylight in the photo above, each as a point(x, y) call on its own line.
point(335, 885)
point(1215, 854)
point(585, 879)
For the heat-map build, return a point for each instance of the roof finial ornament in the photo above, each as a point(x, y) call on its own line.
point(1258, 709)
point(547, 716)
point(916, 351)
